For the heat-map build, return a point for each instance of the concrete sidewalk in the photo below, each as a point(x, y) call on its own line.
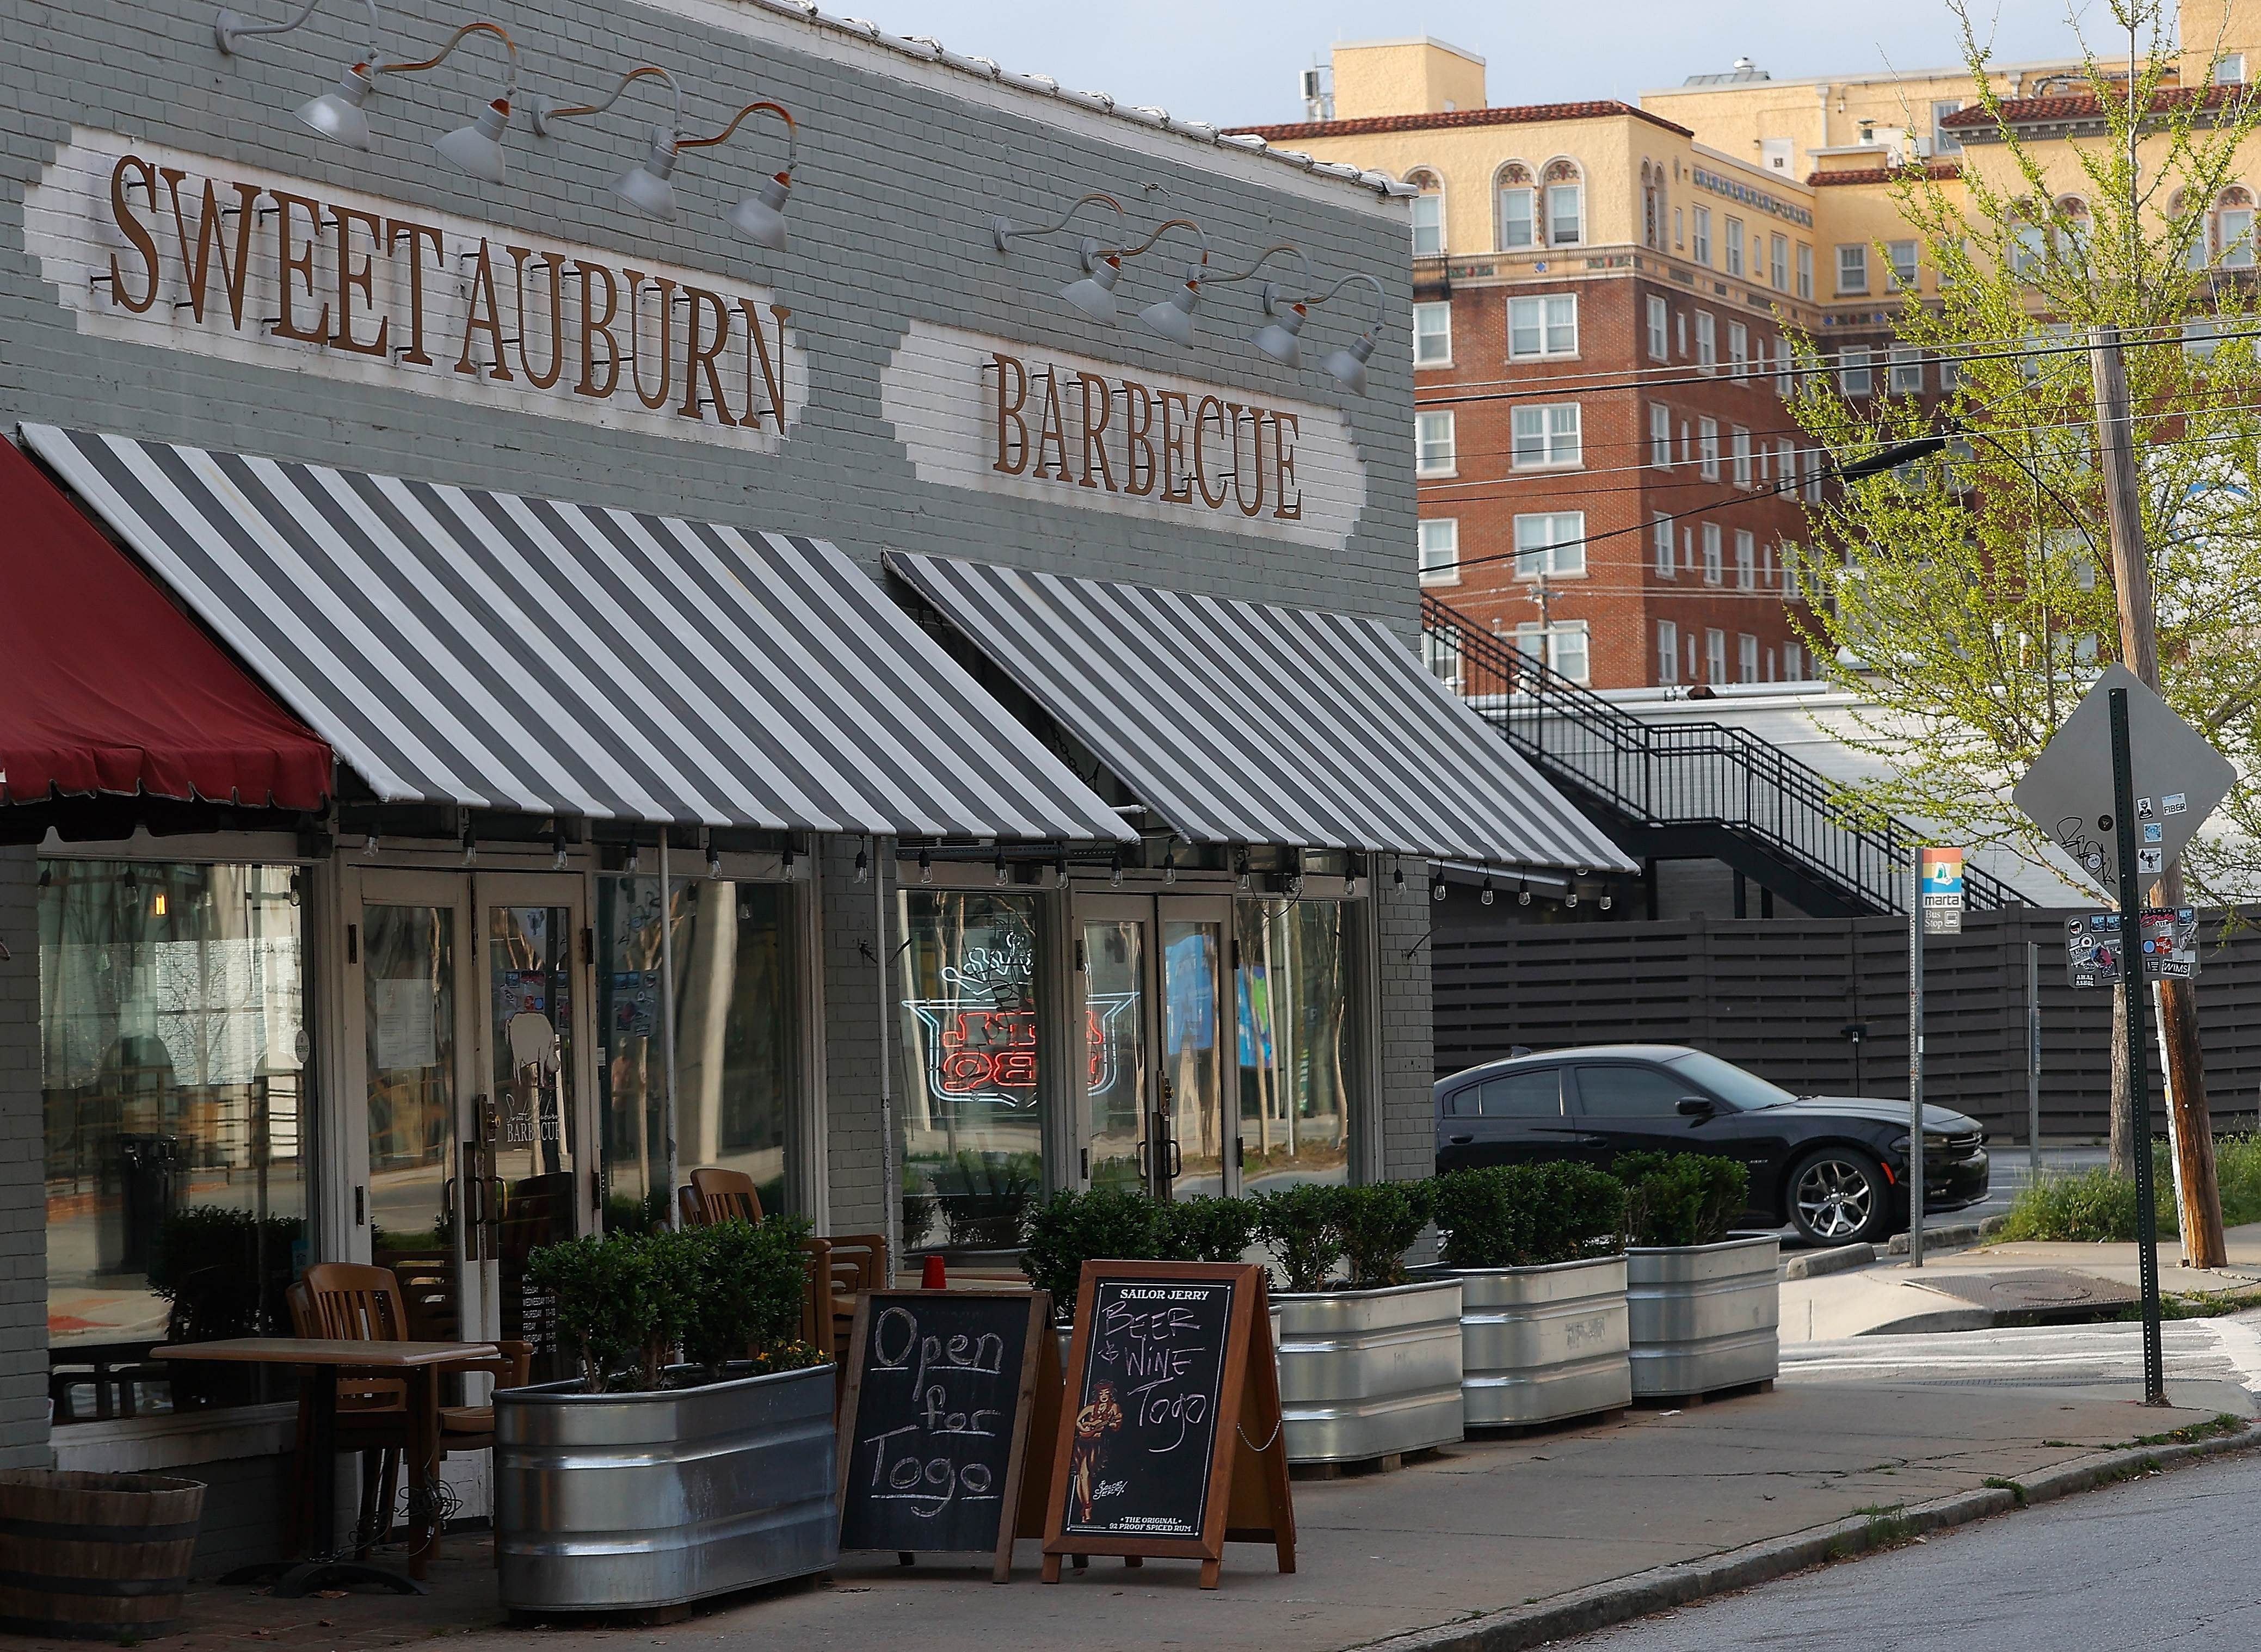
point(1482, 1528)
point(1965, 1289)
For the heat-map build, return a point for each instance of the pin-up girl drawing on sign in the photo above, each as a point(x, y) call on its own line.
point(1093, 1424)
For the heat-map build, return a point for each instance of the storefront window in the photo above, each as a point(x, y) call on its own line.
point(972, 1142)
point(1295, 1042)
point(172, 1050)
point(735, 1020)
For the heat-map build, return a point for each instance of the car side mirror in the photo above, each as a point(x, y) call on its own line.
point(1698, 1107)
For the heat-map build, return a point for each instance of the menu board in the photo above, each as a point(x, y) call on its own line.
point(943, 1389)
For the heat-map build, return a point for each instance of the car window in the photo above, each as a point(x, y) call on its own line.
point(1516, 1096)
point(1725, 1079)
point(1630, 1092)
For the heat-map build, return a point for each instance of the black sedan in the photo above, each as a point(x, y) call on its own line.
point(1833, 1167)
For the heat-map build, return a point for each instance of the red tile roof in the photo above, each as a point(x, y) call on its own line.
point(2022, 111)
point(1514, 115)
point(1882, 175)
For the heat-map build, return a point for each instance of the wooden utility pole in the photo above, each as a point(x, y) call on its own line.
point(2139, 650)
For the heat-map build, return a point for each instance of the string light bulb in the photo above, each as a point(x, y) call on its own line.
point(1437, 887)
point(1242, 867)
point(926, 866)
point(1486, 895)
point(1114, 871)
point(1002, 873)
point(634, 860)
point(1571, 899)
point(863, 866)
point(1523, 892)
point(1170, 864)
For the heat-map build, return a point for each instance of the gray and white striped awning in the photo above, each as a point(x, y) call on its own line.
point(1246, 722)
point(481, 649)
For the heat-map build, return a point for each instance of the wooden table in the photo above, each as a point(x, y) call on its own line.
point(320, 1363)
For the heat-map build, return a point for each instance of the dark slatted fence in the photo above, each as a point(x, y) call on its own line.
point(1776, 995)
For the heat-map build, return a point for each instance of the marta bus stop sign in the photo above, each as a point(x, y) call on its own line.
point(1941, 886)
point(2178, 780)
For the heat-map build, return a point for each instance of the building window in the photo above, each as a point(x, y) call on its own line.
point(1434, 450)
point(1778, 262)
point(1904, 276)
point(1747, 560)
point(1652, 206)
point(1793, 663)
point(1805, 270)
point(1562, 649)
point(2233, 229)
point(1852, 268)
point(1734, 247)
point(1432, 335)
point(1905, 375)
point(1785, 463)
point(1660, 330)
point(1943, 140)
point(1814, 476)
point(172, 1005)
point(1438, 542)
point(1518, 198)
point(1660, 435)
point(1677, 238)
point(1739, 347)
point(972, 1031)
point(1710, 553)
point(1667, 653)
point(1547, 326)
point(1700, 246)
point(1740, 447)
point(1747, 658)
point(2229, 69)
point(2202, 339)
point(1428, 215)
point(1707, 449)
point(1790, 570)
point(1550, 543)
point(1852, 371)
point(1707, 342)
point(1566, 218)
point(1662, 534)
point(1547, 436)
point(1715, 657)
point(1297, 1040)
point(1785, 373)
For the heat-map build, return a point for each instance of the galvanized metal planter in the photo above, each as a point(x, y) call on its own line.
point(1540, 1344)
point(1704, 1316)
point(611, 1501)
point(1366, 1373)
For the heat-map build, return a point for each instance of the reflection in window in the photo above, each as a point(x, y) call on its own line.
point(736, 1057)
point(171, 1007)
point(1292, 989)
point(973, 1141)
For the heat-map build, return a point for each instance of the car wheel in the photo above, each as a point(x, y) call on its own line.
point(1838, 1196)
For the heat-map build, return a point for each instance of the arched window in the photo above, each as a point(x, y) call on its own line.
point(1428, 214)
point(2233, 228)
point(1565, 204)
point(1652, 206)
point(1516, 193)
point(2074, 227)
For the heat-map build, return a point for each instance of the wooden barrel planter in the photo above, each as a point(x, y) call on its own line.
point(95, 1556)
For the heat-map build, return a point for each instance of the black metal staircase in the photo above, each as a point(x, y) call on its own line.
point(1687, 791)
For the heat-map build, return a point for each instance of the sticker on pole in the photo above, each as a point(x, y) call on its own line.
point(1940, 884)
point(2093, 955)
point(2170, 944)
point(2178, 780)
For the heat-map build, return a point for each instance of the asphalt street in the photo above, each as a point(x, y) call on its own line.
point(2138, 1565)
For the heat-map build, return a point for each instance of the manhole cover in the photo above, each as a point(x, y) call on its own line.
point(2031, 1290)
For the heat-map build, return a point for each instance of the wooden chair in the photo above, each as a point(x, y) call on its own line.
point(349, 1302)
point(688, 1211)
point(725, 1194)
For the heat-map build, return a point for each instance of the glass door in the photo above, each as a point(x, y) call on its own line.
point(1154, 977)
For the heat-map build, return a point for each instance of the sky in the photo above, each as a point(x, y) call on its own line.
point(1235, 62)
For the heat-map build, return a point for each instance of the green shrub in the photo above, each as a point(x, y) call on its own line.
point(606, 1293)
point(749, 1280)
point(1208, 1229)
point(1680, 1198)
point(1379, 1222)
point(1301, 1226)
point(2087, 1206)
point(1070, 1229)
point(1525, 1216)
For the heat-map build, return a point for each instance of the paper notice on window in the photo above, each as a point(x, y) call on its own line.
point(401, 1031)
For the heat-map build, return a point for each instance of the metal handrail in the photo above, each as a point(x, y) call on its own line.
point(1683, 774)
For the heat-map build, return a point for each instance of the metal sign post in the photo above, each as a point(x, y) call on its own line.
point(2139, 1086)
point(2034, 1063)
point(1915, 1063)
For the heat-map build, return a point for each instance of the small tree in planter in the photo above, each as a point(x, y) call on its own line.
point(1212, 1230)
point(1071, 1228)
point(1370, 1368)
point(1539, 1255)
point(570, 1455)
point(1703, 1308)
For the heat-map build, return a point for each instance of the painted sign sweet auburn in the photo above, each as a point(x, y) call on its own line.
point(192, 254)
point(1004, 416)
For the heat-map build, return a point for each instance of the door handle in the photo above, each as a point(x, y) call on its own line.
point(1459, 1141)
point(1177, 1159)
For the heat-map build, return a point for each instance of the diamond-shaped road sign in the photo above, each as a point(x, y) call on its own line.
point(2178, 780)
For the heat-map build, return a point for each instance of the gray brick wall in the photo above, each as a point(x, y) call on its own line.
point(23, 1204)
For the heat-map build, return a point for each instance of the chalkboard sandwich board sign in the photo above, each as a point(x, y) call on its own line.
point(947, 1428)
point(1169, 1437)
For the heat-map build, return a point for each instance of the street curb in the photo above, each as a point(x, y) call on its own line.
point(1584, 1611)
point(1814, 1264)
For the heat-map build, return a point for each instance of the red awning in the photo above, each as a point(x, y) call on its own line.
point(106, 687)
